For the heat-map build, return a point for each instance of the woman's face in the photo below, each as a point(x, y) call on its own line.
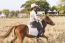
point(35, 9)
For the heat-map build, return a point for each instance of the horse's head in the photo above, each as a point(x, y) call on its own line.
point(48, 20)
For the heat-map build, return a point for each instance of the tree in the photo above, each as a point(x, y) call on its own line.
point(12, 13)
point(54, 8)
point(6, 12)
point(62, 0)
point(0, 12)
point(42, 4)
point(17, 12)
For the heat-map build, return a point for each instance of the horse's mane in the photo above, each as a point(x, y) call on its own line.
point(46, 17)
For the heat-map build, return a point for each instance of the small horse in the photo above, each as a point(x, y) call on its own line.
point(22, 30)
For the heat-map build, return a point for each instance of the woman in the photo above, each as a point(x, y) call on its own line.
point(34, 19)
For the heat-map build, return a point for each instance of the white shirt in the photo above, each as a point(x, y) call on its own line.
point(33, 16)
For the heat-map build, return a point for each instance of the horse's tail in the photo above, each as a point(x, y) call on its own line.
point(8, 33)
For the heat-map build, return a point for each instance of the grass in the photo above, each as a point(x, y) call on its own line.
point(55, 34)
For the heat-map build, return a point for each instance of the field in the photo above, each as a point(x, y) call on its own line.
point(55, 34)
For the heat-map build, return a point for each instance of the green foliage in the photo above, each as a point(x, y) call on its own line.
point(42, 4)
point(25, 11)
point(0, 12)
point(62, 0)
point(6, 11)
point(17, 12)
point(61, 8)
point(12, 12)
point(54, 8)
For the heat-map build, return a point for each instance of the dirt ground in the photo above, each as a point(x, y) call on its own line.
point(55, 34)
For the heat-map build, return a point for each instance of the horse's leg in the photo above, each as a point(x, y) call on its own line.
point(19, 35)
point(45, 37)
point(1, 40)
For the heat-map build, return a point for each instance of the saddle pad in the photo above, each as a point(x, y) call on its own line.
point(32, 31)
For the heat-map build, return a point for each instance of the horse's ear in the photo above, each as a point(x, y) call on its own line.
point(46, 16)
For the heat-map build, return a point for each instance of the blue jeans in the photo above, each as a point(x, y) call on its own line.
point(38, 26)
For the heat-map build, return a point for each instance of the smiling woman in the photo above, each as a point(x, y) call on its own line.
point(11, 5)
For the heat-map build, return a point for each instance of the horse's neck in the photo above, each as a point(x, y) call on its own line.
point(44, 23)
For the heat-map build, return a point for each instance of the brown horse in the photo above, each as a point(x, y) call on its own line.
point(22, 30)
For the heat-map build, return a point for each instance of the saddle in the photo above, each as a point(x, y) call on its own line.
point(32, 30)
